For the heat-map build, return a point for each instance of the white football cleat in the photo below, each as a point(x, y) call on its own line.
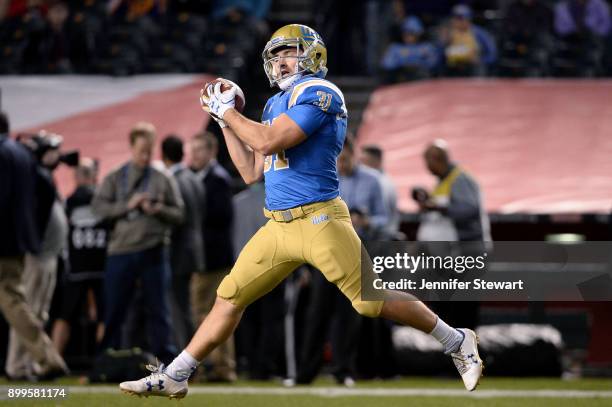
point(467, 360)
point(156, 384)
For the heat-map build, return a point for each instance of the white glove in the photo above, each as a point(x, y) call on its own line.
point(204, 100)
point(220, 102)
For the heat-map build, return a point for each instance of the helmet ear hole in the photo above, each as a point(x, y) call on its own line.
point(318, 55)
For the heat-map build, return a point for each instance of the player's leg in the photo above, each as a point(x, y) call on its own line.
point(461, 344)
point(261, 266)
point(203, 295)
point(218, 325)
point(337, 251)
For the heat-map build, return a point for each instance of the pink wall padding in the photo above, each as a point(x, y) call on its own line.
point(103, 133)
point(535, 146)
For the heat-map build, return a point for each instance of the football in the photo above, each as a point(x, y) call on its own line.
point(225, 85)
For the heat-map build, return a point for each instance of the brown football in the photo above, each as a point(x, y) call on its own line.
point(225, 85)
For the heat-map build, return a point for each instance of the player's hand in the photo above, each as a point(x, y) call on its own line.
point(220, 102)
point(204, 100)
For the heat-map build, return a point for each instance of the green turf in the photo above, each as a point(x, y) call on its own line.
point(120, 400)
point(494, 383)
point(215, 400)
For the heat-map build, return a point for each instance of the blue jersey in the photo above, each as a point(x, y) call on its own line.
point(306, 173)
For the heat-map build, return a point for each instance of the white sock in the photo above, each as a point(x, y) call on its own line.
point(182, 366)
point(448, 336)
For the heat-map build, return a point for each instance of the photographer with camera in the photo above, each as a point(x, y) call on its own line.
point(27, 210)
point(40, 275)
point(453, 212)
point(143, 203)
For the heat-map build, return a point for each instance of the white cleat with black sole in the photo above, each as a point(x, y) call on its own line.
point(467, 360)
point(156, 384)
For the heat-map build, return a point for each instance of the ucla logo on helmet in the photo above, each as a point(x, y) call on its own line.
point(309, 34)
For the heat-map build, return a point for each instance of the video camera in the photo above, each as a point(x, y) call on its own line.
point(419, 194)
point(42, 142)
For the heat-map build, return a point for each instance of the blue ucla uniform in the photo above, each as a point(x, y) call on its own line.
point(306, 173)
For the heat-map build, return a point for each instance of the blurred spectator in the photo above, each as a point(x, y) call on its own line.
point(397, 15)
point(20, 234)
point(360, 186)
point(526, 39)
point(136, 32)
point(412, 58)
point(366, 231)
point(48, 49)
point(454, 211)
point(88, 237)
point(457, 197)
point(582, 17)
point(40, 274)
point(372, 157)
point(217, 235)
point(430, 12)
point(469, 49)
point(187, 247)
point(143, 203)
point(581, 26)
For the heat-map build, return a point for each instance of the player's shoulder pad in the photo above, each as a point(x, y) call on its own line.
point(320, 93)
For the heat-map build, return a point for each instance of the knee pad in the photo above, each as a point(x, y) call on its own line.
point(370, 309)
point(228, 290)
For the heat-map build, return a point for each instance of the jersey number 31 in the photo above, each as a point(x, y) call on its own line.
point(280, 161)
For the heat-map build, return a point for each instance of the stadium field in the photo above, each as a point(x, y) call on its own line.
point(404, 392)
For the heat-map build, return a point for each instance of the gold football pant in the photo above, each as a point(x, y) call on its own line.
point(320, 234)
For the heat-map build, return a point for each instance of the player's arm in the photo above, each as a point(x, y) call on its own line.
point(310, 108)
point(248, 162)
point(284, 133)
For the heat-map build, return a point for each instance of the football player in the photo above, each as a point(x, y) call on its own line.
point(295, 149)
